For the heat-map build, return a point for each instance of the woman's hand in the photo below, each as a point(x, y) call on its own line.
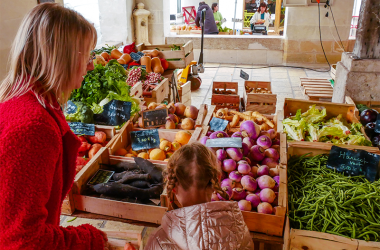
point(217, 22)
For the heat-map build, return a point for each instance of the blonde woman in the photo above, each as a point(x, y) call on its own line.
point(50, 54)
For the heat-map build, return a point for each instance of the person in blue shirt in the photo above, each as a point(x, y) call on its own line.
point(261, 17)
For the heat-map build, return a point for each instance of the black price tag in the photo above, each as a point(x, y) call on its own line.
point(102, 176)
point(377, 127)
point(145, 139)
point(114, 113)
point(154, 118)
point(354, 162)
point(71, 108)
point(80, 128)
point(232, 142)
point(217, 124)
point(244, 75)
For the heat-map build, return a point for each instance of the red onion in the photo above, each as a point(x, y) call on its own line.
point(249, 129)
point(275, 141)
point(218, 134)
point(272, 153)
point(214, 197)
point(235, 176)
point(227, 183)
point(254, 171)
point(245, 205)
point(244, 168)
point(263, 170)
point(228, 191)
point(237, 134)
point(273, 172)
point(272, 133)
point(228, 165)
point(264, 142)
point(265, 208)
point(254, 199)
point(238, 194)
point(234, 153)
point(249, 141)
point(248, 183)
point(245, 149)
point(266, 181)
point(221, 154)
point(271, 163)
point(257, 153)
point(204, 140)
point(267, 195)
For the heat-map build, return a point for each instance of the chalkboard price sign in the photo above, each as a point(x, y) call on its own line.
point(71, 108)
point(80, 128)
point(354, 162)
point(114, 113)
point(377, 127)
point(232, 142)
point(102, 176)
point(244, 75)
point(217, 124)
point(145, 139)
point(154, 118)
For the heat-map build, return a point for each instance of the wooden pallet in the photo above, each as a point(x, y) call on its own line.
point(315, 89)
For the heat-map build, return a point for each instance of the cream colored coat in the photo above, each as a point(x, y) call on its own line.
point(214, 225)
point(257, 16)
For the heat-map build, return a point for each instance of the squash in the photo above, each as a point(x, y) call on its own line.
point(121, 61)
point(151, 53)
point(147, 61)
point(106, 56)
point(100, 60)
point(156, 65)
point(116, 54)
point(164, 63)
point(183, 137)
point(157, 154)
point(126, 57)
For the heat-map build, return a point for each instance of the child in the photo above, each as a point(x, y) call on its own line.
point(192, 176)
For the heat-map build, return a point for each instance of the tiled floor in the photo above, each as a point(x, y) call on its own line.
point(285, 80)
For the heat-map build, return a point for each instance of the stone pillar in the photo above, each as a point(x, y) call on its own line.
point(141, 24)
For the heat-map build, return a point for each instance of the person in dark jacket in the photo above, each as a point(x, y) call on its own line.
point(210, 25)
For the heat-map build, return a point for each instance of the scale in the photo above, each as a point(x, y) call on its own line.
point(259, 29)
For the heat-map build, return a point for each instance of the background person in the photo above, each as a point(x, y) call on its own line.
point(217, 15)
point(49, 57)
point(193, 176)
point(210, 25)
point(261, 17)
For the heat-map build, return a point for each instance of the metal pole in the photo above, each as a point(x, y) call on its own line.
point(234, 18)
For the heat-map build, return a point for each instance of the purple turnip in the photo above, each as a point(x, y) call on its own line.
point(264, 142)
point(247, 160)
point(248, 183)
point(218, 134)
point(214, 197)
point(245, 205)
point(238, 185)
point(228, 191)
point(249, 129)
point(272, 153)
point(254, 199)
point(234, 153)
point(238, 194)
point(276, 142)
point(266, 181)
point(227, 183)
point(257, 153)
point(267, 195)
point(242, 162)
point(271, 163)
point(249, 141)
point(265, 208)
point(208, 133)
point(228, 165)
point(245, 149)
point(254, 171)
point(235, 176)
point(257, 192)
point(237, 134)
point(204, 140)
point(273, 172)
point(221, 154)
point(277, 180)
point(244, 168)
point(263, 170)
point(272, 133)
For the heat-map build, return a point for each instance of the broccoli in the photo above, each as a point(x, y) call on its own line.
point(83, 114)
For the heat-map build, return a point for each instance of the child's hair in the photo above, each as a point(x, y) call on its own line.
point(180, 169)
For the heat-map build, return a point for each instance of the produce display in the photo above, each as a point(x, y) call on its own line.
point(150, 80)
point(225, 29)
point(163, 153)
point(179, 116)
point(141, 180)
point(250, 174)
point(368, 119)
point(313, 126)
point(325, 201)
point(257, 90)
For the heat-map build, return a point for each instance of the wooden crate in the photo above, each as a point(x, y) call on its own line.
point(316, 89)
point(262, 103)
point(114, 208)
point(159, 93)
point(333, 71)
point(185, 93)
point(332, 109)
point(370, 104)
point(68, 205)
point(185, 54)
point(230, 101)
point(136, 90)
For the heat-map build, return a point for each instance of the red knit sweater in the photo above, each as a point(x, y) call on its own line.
point(37, 169)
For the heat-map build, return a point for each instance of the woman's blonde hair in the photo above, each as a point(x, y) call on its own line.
point(50, 47)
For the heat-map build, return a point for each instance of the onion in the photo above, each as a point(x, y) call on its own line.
point(228, 191)
point(276, 142)
point(249, 129)
point(244, 168)
point(218, 134)
point(264, 142)
point(236, 176)
point(273, 172)
point(272, 153)
point(267, 195)
point(263, 170)
point(204, 140)
point(238, 194)
point(271, 163)
point(249, 141)
point(245, 149)
point(248, 183)
point(254, 171)
point(245, 205)
point(237, 134)
point(228, 165)
point(266, 181)
point(214, 197)
point(227, 183)
point(254, 199)
point(265, 208)
point(257, 153)
point(221, 154)
point(234, 153)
